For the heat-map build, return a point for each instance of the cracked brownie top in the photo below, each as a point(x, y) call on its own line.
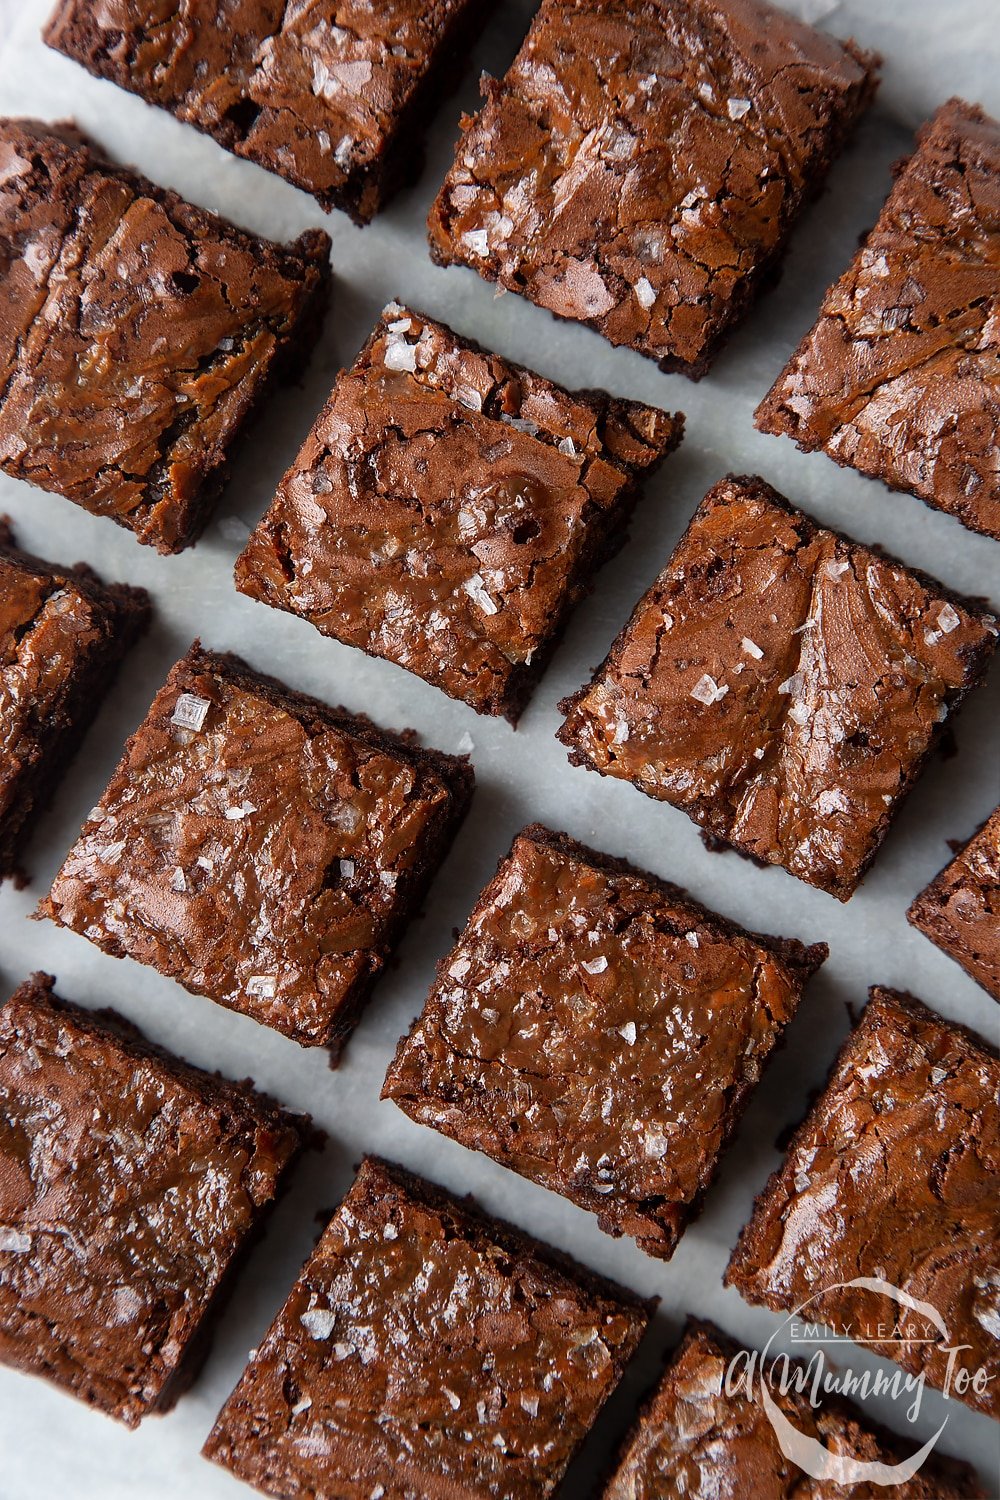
point(129, 1184)
point(599, 1032)
point(640, 165)
point(900, 377)
point(960, 909)
point(893, 1175)
point(136, 333)
point(448, 509)
point(704, 1434)
point(426, 1350)
point(322, 93)
point(259, 847)
point(781, 684)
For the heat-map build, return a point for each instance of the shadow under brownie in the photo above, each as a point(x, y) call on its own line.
point(261, 848)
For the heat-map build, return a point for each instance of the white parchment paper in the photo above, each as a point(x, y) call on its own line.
point(51, 1446)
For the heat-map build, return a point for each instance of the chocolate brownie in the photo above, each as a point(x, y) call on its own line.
point(137, 333)
point(900, 377)
point(704, 1434)
point(130, 1186)
point(332, 97)
point(63, 634)
point(598, 1031)
point(642, 163)
point(781, 684)
point(960, 909)
point(449, 508)
point(895, 1176)
point(426, 1352)
point(261, 848)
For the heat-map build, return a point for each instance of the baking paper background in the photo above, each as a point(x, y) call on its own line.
point(50, 1445)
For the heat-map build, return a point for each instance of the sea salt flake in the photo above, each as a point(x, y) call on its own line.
point(948, 619)
point(566, 445)
point(466, 396)
point(751, 648)
point(628, 1032)
point(476, 590)
point(706, 690)
point(390, 1232)
point(477, 241)
point(234, 814)
point(303, 1404)
point(14, 1241)
point(466, 744)
point(178, 881)
point(737, 108)
point(111, 853)
point(791, 685)
point(644, 293)
point(190, 711)
point(595, 965)
point(400, 356)
point(319, 1323)
point(347, 868)
point(835, 570)
point(691, 938)
point(453, 1400)
point(262, 984)
point(460, 968)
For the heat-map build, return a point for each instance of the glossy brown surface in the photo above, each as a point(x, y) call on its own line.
point(332, 96)
point(449, 508)
point(261, 848)
point(642, 162)
point(129, 1185)
point(62, 636)
point(427, 1352)
point(599, 1032)
point(900, 377)
point(960, 909)
point(137, 333)
point(894, 1175)
point(699, 1438)
point(781, 684)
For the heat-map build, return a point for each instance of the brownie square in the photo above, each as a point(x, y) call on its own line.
point(640, 166)
point(261, 848)
point(332, 97)
point(598, 1031)
point(426, 1349)
point(900, 377)
point(894, 1175)
point(704, 1435)
point(960, 909)
point(449, 508)
point(63, 634)
point(130, 1187)
point(137, 333)
point(781, 684)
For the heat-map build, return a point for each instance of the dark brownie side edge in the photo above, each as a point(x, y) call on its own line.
point(975, 667)
point(73, 31)
point(125, 613)
point(174, 511)
point(288, 1134)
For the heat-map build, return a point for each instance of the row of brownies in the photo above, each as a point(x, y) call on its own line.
point(427, 1348)
point(638, 169)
